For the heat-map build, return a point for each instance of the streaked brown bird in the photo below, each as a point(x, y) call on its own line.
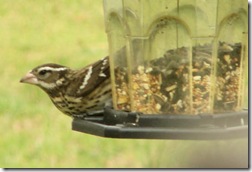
point(74, 92)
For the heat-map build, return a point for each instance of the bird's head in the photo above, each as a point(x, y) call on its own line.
point(47, 76)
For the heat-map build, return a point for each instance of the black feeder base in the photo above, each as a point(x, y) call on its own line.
point(132, 125)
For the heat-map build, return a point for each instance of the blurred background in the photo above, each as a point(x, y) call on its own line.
point(35, 134)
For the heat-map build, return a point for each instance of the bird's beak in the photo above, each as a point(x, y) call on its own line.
point(29, 78)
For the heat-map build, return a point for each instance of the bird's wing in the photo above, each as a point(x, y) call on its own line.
point(86, 80)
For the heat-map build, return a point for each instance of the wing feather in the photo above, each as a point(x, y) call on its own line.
point(87, 79)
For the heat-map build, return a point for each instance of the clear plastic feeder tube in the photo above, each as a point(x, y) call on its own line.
point(177, 56)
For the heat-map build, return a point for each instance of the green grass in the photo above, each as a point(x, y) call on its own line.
point(35, 134)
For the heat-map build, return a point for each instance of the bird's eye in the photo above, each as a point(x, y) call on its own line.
point(42, 72)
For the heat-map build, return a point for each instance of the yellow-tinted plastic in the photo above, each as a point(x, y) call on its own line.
point(165, 54)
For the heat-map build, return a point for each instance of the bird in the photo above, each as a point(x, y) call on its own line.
point(76, 93)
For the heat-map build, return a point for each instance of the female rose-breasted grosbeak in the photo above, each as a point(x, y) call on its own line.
point(74, 92)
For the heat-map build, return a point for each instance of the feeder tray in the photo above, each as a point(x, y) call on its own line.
point(133, 125)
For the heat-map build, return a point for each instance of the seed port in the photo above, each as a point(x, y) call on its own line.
point(133, 125)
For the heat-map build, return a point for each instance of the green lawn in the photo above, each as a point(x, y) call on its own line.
point(35, 134)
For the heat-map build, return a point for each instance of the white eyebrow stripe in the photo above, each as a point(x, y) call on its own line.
point(52, 69)
point(87, 77)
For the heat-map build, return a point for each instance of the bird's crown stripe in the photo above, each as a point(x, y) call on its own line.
point(53, 69)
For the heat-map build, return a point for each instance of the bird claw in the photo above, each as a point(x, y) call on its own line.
point(108, 105)
point(95, 113)
point(113, 117)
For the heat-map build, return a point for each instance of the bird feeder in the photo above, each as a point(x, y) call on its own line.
point(178, 70)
